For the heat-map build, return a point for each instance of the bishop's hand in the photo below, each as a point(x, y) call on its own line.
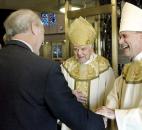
point(80, 97)
point(106, 112)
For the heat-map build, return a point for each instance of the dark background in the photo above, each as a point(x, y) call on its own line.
point(3, 15)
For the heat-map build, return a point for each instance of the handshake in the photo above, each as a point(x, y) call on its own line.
point(106, 112)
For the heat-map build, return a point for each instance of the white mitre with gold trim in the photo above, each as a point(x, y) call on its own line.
point(131, 18)
point(81, 32)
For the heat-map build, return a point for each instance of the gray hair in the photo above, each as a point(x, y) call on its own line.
point(20, 21)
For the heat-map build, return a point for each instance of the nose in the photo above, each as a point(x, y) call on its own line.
point(121, 40)
point(79, 52)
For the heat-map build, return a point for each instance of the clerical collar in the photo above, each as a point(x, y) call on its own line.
point(138, 57)
point(92, 57)
point(25, 43)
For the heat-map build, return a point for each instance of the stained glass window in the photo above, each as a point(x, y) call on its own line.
point(48, 19)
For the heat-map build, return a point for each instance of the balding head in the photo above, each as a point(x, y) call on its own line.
point(25, 25)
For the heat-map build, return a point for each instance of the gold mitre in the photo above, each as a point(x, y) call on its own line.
point(131, 18)
point(81, 32)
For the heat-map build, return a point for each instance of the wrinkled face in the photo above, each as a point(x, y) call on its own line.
point(131, 43)
point(83, 53)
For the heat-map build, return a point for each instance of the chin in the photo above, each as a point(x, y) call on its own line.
point(82, 62)
point(127, 53)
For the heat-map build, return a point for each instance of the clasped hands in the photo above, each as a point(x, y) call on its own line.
point(104, 111)
point(80, 96)
point(107, 113)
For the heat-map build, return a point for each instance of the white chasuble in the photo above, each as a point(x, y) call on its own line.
point(126, 98)
point(94, 79)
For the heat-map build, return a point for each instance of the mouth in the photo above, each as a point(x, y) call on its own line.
point(80, 57)
point(124, 46)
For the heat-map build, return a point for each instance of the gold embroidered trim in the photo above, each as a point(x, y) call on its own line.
point(84, 87)
point(86, 71)
point(132, 72)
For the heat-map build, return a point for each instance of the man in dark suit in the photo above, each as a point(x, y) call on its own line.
point(33, 91)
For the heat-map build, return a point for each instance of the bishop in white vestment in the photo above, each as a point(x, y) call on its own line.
point(124, 103)
point(126, 97)
point(86, 71)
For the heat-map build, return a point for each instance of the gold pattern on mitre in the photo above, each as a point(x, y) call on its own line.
point(132, 72)
point(86, 71)
point(81, 32)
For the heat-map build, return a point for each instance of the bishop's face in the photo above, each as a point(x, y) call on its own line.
point(131, 43)
point(83, 53)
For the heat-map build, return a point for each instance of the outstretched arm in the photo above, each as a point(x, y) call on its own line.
point(64, 106)
point(106, 112)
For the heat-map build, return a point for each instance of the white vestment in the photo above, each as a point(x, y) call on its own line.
point(126, 97)
point(94, 79)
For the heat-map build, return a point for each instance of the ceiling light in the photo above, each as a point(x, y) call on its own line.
point(62, 9)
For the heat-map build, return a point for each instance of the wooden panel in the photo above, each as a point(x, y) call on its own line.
point(91, 11)
point(38, 5)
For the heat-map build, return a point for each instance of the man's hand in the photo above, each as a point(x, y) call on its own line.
point(80, 97)
point(106, 112)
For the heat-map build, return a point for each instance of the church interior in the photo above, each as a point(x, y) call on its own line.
point(97, 45)
point(104, 15)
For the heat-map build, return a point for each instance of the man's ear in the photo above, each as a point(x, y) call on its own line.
point(34, 28)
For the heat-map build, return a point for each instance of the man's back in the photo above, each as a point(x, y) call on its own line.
point(22, 90)
point(34, 94)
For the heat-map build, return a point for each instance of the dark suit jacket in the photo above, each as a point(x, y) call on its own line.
point(34, 94)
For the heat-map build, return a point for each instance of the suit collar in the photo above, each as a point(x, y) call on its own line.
point(18, 43)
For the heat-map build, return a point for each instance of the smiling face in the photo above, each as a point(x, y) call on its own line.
point(83, 53)
point(131, 43)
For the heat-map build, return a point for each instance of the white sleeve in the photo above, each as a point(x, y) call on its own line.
point(110, 80)
point(129, 119)
point(112, 100)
